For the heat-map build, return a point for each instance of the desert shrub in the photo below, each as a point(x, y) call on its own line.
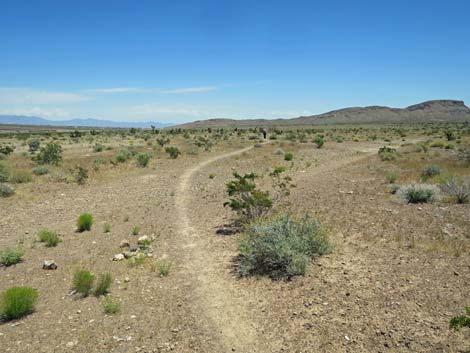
point(40, 170)
point(246, 199)
point(142, 159)
point(34, 145)
point(457, 322)
point(464, 155)
point(123, 155)
point(111, 306)
point(97, 163)
point(431, 171)
point(98, 147)
point(103, 284)
point(457, 188)
point(418, 193)
point(50, 154)
point(173, 152)
point(391, 177)
point(163, 267)
point(281, 247)
point(135, 230)
point(6, 190)
point(4, 173)
point(17, 302)
point(393, 188)
point(10, 257)
point(83, 281)
point(137, 260)
point(163, 141)
point(6, 150)
point(387, 153)
point(319, 141)
point(20, 177)
point(81, 175)
point(84, 222)
point(49, 237)
point(288, 156)
point(280, 184)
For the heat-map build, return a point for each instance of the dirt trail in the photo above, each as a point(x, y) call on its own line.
point(217, 300)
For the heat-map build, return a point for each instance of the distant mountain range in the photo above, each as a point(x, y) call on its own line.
point(430, 111)
point(33, 120)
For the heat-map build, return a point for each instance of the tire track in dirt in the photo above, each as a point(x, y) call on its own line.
point(226, 314)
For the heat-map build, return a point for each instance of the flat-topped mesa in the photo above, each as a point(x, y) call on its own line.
point(439, 104)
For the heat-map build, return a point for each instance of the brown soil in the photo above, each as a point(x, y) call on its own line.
point(397, 275)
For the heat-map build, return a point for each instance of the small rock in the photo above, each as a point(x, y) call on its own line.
point(127, 279)
point(124, 244)
point(118, 257)
point(49, 265)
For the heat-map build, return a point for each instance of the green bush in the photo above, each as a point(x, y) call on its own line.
point(6, 150)
point(142, 159)
point(50, 154)
point(163, 267)
point(81, 175)
point(98, 148)
point(391, 177)
point(431, 171)
point(418, 193)
point(34, 145)
point(83, 282)
point(104, 282)
point(4, 173)
point(111, 306)
point(457, 322)
point(123, 155)
point(17, 302)
point(20, 177)
point(135, 230)
point(10, 257)
point(40, 170)
point(49, 237)
point(6, 190)
point(84, 222)
point(387, 153)
point(281, 247)
point(174, 152)
point(288, 156)
point(319, 141)
point(246, 199)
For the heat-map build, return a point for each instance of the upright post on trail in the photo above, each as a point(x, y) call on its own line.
point(263, 130)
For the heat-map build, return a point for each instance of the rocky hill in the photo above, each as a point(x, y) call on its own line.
point(430, 111)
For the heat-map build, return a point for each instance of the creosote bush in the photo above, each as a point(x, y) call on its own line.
point(281, 247)
point(142, 159)
point(48, 237)
point(288, 156)
point(173, 152)
point(418, 193)
point(40, 170)
point(103, 284)
point(16, 302)
point(10, 257)
point(50, 154)
point(246, 199)
point(83, 282)
point(387, 153)
point(84, 222)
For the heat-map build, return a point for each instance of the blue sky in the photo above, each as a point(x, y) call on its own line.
point(175, 61)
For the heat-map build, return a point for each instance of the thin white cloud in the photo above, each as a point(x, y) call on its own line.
point(115, 90)
point(156, 109)
point(37, 111)
point(9, 95)
point(190, 90)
